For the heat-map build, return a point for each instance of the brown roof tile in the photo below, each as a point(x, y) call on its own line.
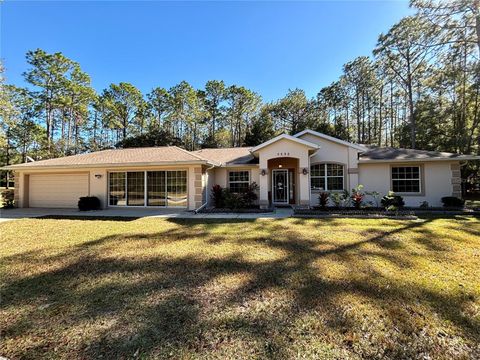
point(131, 156)
point(228, 156)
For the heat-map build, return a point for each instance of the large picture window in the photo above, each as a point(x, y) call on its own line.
point(328, 177)
point(238, 181)
point(406, 179)
point(118, 192)
point(148, 188)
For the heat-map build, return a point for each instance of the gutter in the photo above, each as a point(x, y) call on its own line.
point(206, 193)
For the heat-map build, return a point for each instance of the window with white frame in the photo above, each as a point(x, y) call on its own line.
point(406, 179)
point(328, 177)
point(239, 181)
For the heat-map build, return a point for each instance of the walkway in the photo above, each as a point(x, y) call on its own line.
point(12, 214)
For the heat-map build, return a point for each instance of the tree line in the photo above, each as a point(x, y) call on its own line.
point(420, 88)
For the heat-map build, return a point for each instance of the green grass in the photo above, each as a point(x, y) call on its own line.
point(294, 288)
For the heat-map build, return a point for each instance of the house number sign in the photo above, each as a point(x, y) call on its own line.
point(283, 154)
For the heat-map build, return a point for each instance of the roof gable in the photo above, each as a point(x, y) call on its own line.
point(285, 137)
point(330, 138)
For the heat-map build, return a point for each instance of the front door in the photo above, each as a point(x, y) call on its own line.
point(280, 186)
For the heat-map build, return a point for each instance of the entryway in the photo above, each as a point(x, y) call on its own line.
point(280, 187)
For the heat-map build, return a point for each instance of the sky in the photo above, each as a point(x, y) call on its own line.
point(268, 47)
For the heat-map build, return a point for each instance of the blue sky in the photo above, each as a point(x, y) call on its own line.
point(268, 47)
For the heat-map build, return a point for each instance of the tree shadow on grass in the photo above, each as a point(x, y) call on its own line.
point(170, 306)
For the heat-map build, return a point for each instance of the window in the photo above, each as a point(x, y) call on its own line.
point(326, 177)
point(177, 188)
point(135, 188)
point(158, 188)
point(117, 194)
point(406, 179)
point(238, 181)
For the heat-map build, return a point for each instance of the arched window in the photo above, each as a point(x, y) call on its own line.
point(328, 177)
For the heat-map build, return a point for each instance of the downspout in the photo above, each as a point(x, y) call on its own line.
point(206, 193)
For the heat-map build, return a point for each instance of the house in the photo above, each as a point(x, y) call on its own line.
point(290, 170)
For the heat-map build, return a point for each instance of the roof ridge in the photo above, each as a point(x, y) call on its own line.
point(190, 153)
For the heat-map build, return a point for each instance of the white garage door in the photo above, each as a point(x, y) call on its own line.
point(57, 190)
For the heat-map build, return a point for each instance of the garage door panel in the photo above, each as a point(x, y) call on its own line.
point(57, 190)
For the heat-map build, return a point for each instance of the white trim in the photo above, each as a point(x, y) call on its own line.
point(287, 201)
point(330, 138)
point(285, 137)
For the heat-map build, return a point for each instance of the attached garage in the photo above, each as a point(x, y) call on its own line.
point(57, 190)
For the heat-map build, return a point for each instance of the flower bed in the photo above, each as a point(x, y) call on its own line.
point(406, 212)
point(353, 212)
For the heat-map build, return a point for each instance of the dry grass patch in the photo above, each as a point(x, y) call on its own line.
point(294, 288)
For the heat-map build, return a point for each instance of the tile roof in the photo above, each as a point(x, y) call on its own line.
point(130, 156)
point(228, 156)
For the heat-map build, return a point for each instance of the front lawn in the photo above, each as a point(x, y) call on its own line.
point(294, 288)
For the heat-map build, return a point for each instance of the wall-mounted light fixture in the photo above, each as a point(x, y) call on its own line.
point(305, 171)
point(98, 176)
point(280, 166)
point(263, 172)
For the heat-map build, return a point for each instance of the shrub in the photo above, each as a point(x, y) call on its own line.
point(323, 199)
point(87, 203)
point(424, 205)
point(337, 199)
point(218, 196)
point(392, 200)
point(357, 196)
point(233, 200)
point(8, 199)
point(452, 201)
point(250, 196)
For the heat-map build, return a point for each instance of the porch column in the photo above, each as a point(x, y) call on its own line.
point(263, 183)
point(304, 183)
point(195, 188)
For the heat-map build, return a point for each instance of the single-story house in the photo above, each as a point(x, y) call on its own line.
point(290, 170)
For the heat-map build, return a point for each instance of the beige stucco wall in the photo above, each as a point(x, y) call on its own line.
point(333, 152)
point(219, 176)
point(437, 181)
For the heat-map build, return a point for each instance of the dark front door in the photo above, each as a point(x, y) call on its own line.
point(280, 188)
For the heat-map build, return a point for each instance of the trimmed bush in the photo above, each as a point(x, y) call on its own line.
point(392, 200)
point(452, 201)
point(218, 196)
point(8, 199)
point(87, 203)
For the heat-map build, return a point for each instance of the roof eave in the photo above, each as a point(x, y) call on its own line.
point(108, 165)
point(371, 161)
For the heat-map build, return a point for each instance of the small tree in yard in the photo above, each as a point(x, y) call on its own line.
point(357, 196)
